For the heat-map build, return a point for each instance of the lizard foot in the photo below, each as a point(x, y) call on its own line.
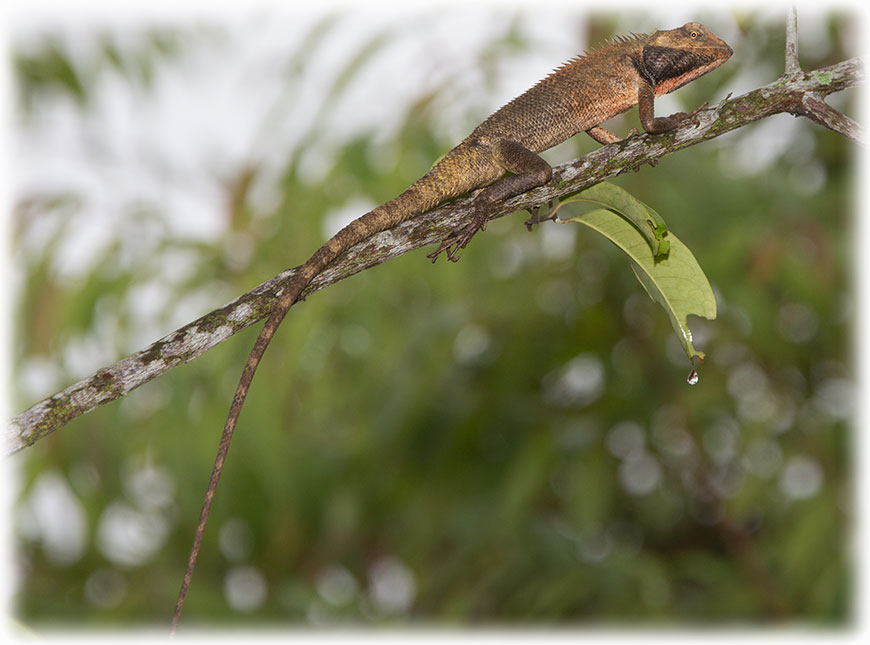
point(537, 218)
point(452, 244)
point(680, 117)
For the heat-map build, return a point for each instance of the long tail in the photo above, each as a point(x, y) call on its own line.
point(426, 193)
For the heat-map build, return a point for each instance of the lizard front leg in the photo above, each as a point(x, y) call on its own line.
point(529, 171)
point(646, 112)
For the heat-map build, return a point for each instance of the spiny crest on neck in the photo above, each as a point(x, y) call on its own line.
point(605, 47)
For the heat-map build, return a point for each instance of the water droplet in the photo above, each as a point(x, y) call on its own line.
point(693, 378)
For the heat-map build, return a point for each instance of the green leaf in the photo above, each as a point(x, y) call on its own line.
point(619, 200)
point(677, 282)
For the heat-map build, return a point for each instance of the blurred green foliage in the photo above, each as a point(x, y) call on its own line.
point(510, 439)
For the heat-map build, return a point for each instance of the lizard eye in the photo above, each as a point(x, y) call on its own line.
point(693, 34)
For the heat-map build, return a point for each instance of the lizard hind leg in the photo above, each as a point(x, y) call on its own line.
point(529, 171)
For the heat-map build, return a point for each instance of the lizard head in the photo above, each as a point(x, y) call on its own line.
point(674, 57)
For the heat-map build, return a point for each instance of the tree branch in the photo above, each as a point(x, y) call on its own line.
point(798, 94)
point(816, 109)
point(792, 65)
point(812, 106)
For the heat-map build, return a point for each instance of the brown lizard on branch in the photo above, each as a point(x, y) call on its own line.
point(577, 97)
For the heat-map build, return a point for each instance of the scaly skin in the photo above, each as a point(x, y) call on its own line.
point(577, 97)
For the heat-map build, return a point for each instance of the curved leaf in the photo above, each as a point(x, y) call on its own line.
point(677, 282)
point(619, 200)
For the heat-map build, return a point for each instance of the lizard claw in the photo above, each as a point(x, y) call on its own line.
point(457, 241)
point(449, 247)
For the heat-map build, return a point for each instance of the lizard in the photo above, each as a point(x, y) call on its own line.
point(576, 97)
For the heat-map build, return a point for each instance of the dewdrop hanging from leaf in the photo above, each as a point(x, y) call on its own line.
point(675, 281)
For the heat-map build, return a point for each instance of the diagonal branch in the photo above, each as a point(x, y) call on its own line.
point(816, 109)
point(798, 94)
